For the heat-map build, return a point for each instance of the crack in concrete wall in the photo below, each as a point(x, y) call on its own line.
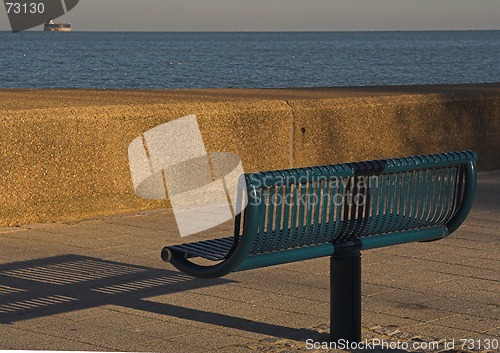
point(291, 156)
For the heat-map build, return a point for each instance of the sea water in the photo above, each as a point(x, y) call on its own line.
point(157, 60)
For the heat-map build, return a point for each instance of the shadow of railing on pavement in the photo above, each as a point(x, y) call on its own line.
point(67, 283)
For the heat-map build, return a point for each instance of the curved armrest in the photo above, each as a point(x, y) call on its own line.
point(469, 193)
point(235, 258)
point(182, 263)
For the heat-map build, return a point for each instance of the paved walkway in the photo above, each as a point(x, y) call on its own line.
point(100, 285)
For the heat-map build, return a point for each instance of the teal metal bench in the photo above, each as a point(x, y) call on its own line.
point(338, 210)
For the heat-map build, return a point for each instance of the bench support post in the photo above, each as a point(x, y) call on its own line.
point(345, 295)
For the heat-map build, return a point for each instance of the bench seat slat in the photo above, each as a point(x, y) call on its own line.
point(213, 249)
point(218, 249)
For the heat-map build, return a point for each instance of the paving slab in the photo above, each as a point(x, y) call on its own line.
point(211, 341)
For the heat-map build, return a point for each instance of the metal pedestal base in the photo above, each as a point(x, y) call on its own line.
point(345, 296)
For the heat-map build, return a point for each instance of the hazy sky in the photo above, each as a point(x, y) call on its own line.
point(279, 15)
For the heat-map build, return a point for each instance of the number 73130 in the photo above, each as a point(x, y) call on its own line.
point(25, 8)
point(474, 344)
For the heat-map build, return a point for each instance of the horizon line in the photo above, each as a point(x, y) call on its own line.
point(267, 31)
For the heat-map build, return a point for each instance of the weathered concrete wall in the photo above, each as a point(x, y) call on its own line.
point(337, 130)
point(64, 152)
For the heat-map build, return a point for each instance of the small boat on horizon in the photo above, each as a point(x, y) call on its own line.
point(51, 26)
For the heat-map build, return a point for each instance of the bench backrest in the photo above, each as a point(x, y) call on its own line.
point(339, 203)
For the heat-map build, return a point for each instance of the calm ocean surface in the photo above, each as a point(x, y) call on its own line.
point(262, 59)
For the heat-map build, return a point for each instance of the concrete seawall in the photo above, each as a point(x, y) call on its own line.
point(64, 152)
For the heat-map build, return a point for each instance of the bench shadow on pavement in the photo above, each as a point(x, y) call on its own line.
point(48, 286)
